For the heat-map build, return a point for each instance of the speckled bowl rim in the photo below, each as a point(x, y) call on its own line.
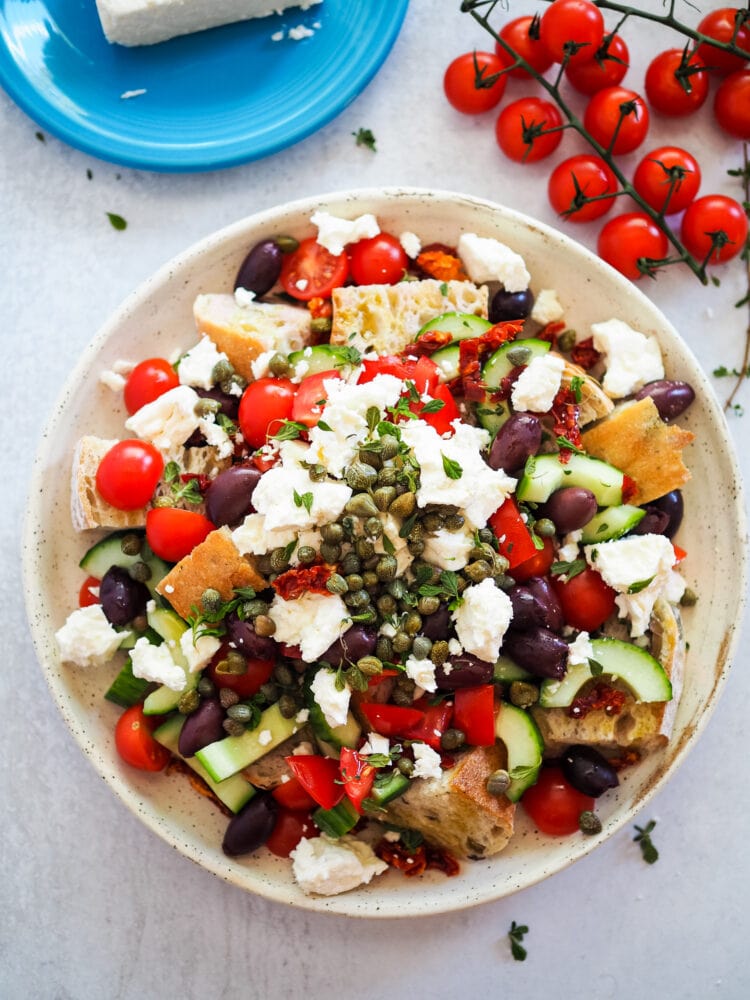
point(372, 901)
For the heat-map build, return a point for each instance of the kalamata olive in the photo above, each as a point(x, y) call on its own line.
point(243, 637)
point(510, 305)
point(356, 642)
point(201, 727)
point(670, 398)
point(260, 270)
point(122, 597)
point(654, 522)
point(230, 405)
point(588, 771)
point(465, 670)
point(518, 438)
point(538, 650)
point(548, 601)
point(570, 508)
point(673, 505)
point(251, 827)
point(229, 496)
point(437, 625)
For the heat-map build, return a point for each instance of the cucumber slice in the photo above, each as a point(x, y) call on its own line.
point(544, 474)
point(461, 326)
point(506, 671)
point(170, 627)
point(502, 362)
point(322, 358)
point(331, 737)
point(611, 523)
point(447, 359)
point(386, 787)
point(524, 745)
point(633, 666)
point(227, 756)
point(108, 552)
point(127, 690)
point(337, 821)
point(235, 792)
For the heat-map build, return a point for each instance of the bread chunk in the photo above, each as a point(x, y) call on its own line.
point(455, 811)
point(386, 318)
point(271, 769)
point(88, 509)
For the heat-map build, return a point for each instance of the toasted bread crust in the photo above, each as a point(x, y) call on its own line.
point(88, 509)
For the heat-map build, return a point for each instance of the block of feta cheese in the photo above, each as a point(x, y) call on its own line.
point(145, 22)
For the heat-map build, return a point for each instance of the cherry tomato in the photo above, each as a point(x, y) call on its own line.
point(312, 272)
point(474, 714)
point(605, 110)
point(128, 474)
point(147, 381)
point(85, 597)
point(291, 795)
point(134, 741)
point(629, 238)
point(391, 720)
point(672, 84)
point(587, 174)
point(538, 565)
point(553, 805)
point(720, 24)
point(653, 177)
point(173, 533)
point(311, 397)
point(576, 21)
point(265, 404)
point(245, 685)
point(586, 600)
point(606, 69)
point(522, 34)
point(732, 104)
point(460, 82)
point(289, 829)
point(379, 260)
point(519, 124)
point(714, 213)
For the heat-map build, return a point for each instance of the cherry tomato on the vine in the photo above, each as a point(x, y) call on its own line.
point(465, 82)
point(606, 69)
point(522, 129)
point(617, 110)
point(676, 84)
point(629, 238)
point(147, 381)
point(664, 168)
point(587, 175)
point(714, 213)
point(312, 272)
point(720, 24)
point(380, 260)
point(134, 741)
point(128, 474)
point(522, 34)
point(732, 104)
point(576, 21)
point(173, 533)
point(264, 405)
point(554, 805)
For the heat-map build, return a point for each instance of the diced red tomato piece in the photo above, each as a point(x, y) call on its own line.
point(388, 364)
point(357, 776)
point(514, 540)
point(391, 720)
point(538, 565)
point(474, 714)
point(311, 397)
point(426, 375)
point(85, 597)
point(679, 553)
point(437, 718)
point(320, 777)
point(291, 826)
point(443, 418)
point(291, 795)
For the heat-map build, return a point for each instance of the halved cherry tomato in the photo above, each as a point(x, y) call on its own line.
point(134, 741)
point(586, 600)
point(289, 829)
point(291, 795)
point(247, 684)
point(357, 775)
point(378, 260)
point(128, 474)
point(265, 404)
point(391, 720)
point(312, 272)
point(85, 597)
point(554, 805)
point(147, 381)
point(474, 714)
point(537, 565)
point(513, 538)
point(320, 776)
point(173, 533)
point(311, 397)
point(437, 718)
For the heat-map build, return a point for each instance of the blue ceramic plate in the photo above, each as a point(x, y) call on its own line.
point(213, 99)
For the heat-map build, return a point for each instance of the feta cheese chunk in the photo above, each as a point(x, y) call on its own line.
point(482, 619)
point(631, 358)
point(87, 639)
point(487, 259)
point(538, 384)
point(168, 421)
point(426, 761)
point(288, 498)
point(333, 703)
point(568, 551)
point(197, 365)
point(448, 549)
point(546, 308)
point(375, 743)
point(422, 672)
point(313, 622)
point(580, 650)
point(410, 244)
point(198, 653)
point(329, 867)
point(335, 233)
point(155, 663)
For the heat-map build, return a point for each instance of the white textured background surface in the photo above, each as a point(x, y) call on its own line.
point(95, 906)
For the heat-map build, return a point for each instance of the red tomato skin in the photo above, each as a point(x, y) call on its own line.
point(588, 76)
point(307, 408)
point(290, 827)
point(460, 77)
point(357, 776)
point(129, 473)
point(629, 237)
point(663, 87)
point(719, 24)
point(553, 805)
point(732, 104)
point(709, 214)
point(85, 597)
point(173, 533)
point(525, 112)
point(586, 600)
point(538, 565)
point(147, 381)
point(474, 714)
point(443, 419)
point(391, 720)
point(517, 34)
point(135, 744)
point(388, 364)
point(437, 718)
point(594, 177)
point(572, 20)
point(603, 113)
point(265, 404)
point(320, 777)
point(292, 796)
point(378, 260)
point(312, 272)
point(513, 538)
point(651, 180)
point(245, 685)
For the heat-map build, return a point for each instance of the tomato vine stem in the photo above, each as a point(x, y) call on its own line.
point(744, 173)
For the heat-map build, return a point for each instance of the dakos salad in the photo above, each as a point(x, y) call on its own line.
point(385, 552)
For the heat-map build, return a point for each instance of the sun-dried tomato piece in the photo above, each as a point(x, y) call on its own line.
point(629, 489)
point(203, 481)
point(550, 333)
point(416, 860)
point(585, 355)
point(473, 352)
point(565, 412)
point(442, 860)
point(600, 696)
point(428, 343)
point(441, 262)
point(303, 580)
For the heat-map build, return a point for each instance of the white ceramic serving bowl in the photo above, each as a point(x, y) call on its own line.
point(156, 319)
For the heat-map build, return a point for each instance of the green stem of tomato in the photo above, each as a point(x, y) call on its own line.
point(746, 354)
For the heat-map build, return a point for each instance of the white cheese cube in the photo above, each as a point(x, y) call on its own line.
point(482, 619)
point(631, 358)
point(538, 384)
point(333, 702)
point(313, 622)
point(329, 867)
point(197, 365)
point(87, 639)
point(486, 259)
point(168, 421)
point(155, 663)
point(335, 233)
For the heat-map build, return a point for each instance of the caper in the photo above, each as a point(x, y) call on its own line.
point(306, 554)
point(263, 564)
point(361, 505)
point(351, 563)
point(689, 598)
point(364, 548)
point(589, 823)
point(417, 532)
point(439, 652)
point(499, 564)
point(288, 705)
point(478, 571)
point(317, 473)
point(189, 701)
point(416, 548)
point(428, 605)
point(390, 446)
point(486, 535)
point(383, 497)
point(386, 568)
point(251, 609)
point(402, 697)
point(354, 581)
point(222, 370)
point(384, 649)
point(349, 525)
point(211, 599)
point(545, 528)
point(357, 599)
point(321, 324)
point(206, 407)
point(330, 552)
point(332, 533)
point(233, 727)
point(518, 356)
point(402, 642)
point(482, 551)
point(131, 544)
point(287, 244)
point(523, 694)
point(269, 691)
point(240, 712)
point(433, 522)
point(228, 697)
point(454, 522)
point(412, 623)
point(234, 663)
point(421, 647)
point(397, 588)
point(387, 476)
point(373, 527)
point(370, 666)
point(452, 739)
point(405, 766)
point(360, 476)
point(370, 580)
point(371, 458)
point(140, 571)
point(206, 687)
point(283, 675)
point(279, 560)
point(498, 782)
point(265, 626)
point(336, 584)
point(504, 582)
point(279, 365)
point(566, 340)
point(404, 505)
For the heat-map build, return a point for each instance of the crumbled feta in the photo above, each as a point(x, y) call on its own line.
point(568, 551)
point(244, 297)
point(284, 494)
point(580, 650)
point(479, 490)
point(216, 436)
point(265, 736)
point(260, 364)
point(422, 672)
point(113, 380)
point(631, 358)
point(123, 367)
point(155, 663)
point(301, 31)
point(301, 368)
point(410, 244)
point(538, 384)
point(302, 716)
point(546, 308)
point(197, 365)
point(335, 233)
point(375, 743)
point(252, 538)
point(333, 703)
point(426, 762)
point(313, 622)
point(198, 652)
point(329, 867)
point(448, 549)
point(454, 647)
point(487, 259)
point(87, 639)
point(482, 620)
point(168, 421)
